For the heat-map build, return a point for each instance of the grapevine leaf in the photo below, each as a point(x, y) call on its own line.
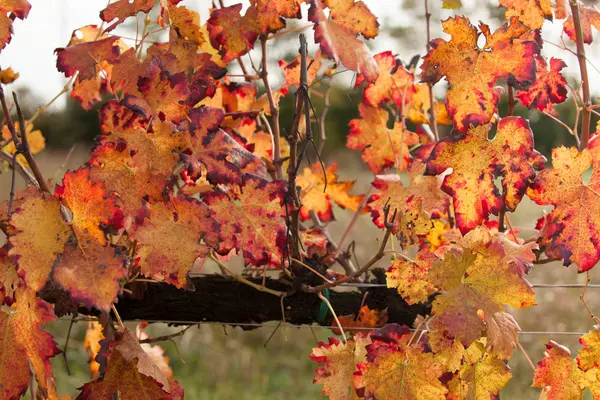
point(92, 208)
point(9, 279)
point(381, 146)
point(472, 71)
point(419, 107)
point(123, 9)
point(91, 344)
point(251, 218)
point(291, 71)
point(477, 161)
point(587, 360)
point(24, 342)
point(36, 141)
point(35, 253)
point(8, 75)
point(502, 332)
point(367, 318)
point(589, 16)
point(354, 15)
point(317, 194)
point(393, 83)
point(270, 14)
point(172, 237)
point(85, 57)
point(571, 230)
point(337, 375)
point(480, 276)
point(231, 33)
point(558, 375)
point(410, 278)
point(186, 23)
point(395, 370)
point(156, 353)
point(339, 42)
point(126, 71)
point(531, 12)
point(448, 351)
point(451, 4)
point(20, 8)
point(549, 88)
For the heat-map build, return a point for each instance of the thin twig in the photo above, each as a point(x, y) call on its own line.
point(65, 349)
point(23, 171)
point(119, 320)
point(45, 107)
point(296, 29)
point(586, 115)
point(432, 116)
point(166, 337)
point(358, 212)
point(582, 298)
point(322, 133)
point(337, 321)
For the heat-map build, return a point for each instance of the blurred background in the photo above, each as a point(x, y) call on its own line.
point(218, 362)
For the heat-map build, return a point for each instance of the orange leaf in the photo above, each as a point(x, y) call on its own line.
point(354, 15)
point(270, 14)
point(574, 202)
point(477, 161)
point(367, 318)
point(339, 42)
point(35, 253)
point(186, 23)
point(91, 344)
point(558, 375)
point(122, 9)
point(393, 83)
point(172, 237)
point(8, 75)
point(251, 218)
point(231, 33)
point(317, 197)
point(9, 279)
point(589, 16)
point(531, 12)
point(410, 278)
point(23, 342)
point(20, 9)
point(549, 88)
point(472, 71)
point(291, 71)
point(381, 146)
point(85, 57)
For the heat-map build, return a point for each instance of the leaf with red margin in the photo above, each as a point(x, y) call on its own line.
point(213, 148)
point(589, 16)
point(532, 13)
point(337, 375)
point(232, 34)
point(24, 342)
point(123, 9)
point(472, 71)
point(238, 96)
point(126, 71)
point(477, 161)
point(291, 71)
point(270, 14)
point(549, 88)
point(84, 57)
point(35, 253)
point(91, 273)
point(251, 217)
point(393, 83)
point(186, 23)
point(20, 8)
point(354, 15)
point(572, 230)
point(316, 194)
point(339, 43)
point(91, 206)
point(479, 275)
point(88, 93)
point(397, 370)
point(163, 95)
point(9, 279)
point(132, 373)
point(410, 277)
point(172, 236)
point(558, 375)
point(381, 146)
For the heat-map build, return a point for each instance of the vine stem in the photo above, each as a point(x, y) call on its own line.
point(166, 337)
point(585, 117)
point(432, 116)
point(520, 346)
point(264, 74)
point(337, 321)
point(245, 281)
point(23, 171)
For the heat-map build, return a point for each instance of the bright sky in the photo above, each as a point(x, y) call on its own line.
point(51, 22)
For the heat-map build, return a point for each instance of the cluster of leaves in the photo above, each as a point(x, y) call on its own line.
point(189, 166)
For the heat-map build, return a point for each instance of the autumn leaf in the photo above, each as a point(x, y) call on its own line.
point(88, 201)
point(419, 107)
point(337, 375)
point(571, 230)
point(478, 276)
point(367, 318)
point(338, 39)
point(446, 349)
point(35, 253)
point(91, 273)
point(532, 13)
point(589, 16)
point(186, 23)
point(381, 146)
point(24, 342)
point(472, 71)
point(502, 333)
point(558, 375)
point(83, 58)
point(316, 193)
point(251, 218)
point(123, 9)
point(35, 138)
point(231, 33)
point(91, 344)
point(482, 375)
point(393, 83)
point(355, 15)
point(291, 71)
point(397, 370)
point(172, 236)
point(549, 88)
point(271, 15)
point(155, 352)
point(8, 75)
point(477, 161)
point(20, 9)
point(410, 277)
point(9, 279)
point(126, 71)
